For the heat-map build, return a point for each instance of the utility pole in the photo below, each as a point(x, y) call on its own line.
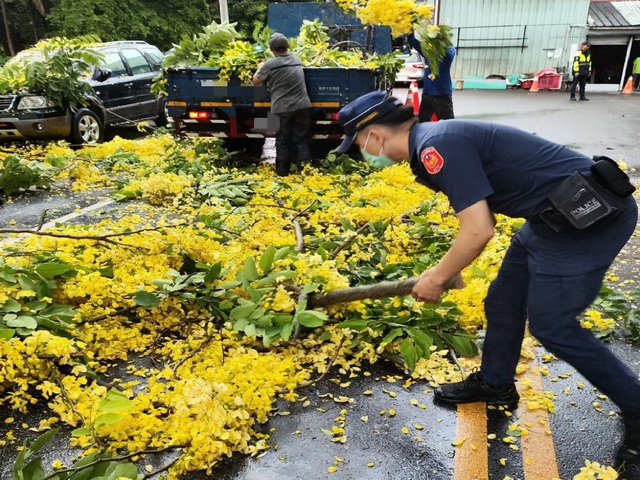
point(224, 12)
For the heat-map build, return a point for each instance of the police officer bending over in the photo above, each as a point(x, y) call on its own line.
point(579, 214)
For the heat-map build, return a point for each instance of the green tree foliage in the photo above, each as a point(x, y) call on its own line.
point(160, 22)
point(26, 25)
point(246, 13)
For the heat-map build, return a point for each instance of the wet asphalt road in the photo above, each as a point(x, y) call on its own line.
point(377, 448)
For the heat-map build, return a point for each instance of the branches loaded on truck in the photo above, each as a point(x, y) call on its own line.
point(216, 98)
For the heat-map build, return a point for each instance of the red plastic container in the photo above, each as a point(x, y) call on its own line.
point(526, 84)
point(549, 78)
point(551, 81)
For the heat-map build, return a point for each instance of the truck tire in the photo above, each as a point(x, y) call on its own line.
point(86, 128)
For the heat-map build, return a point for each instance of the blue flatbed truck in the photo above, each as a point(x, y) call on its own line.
point(202, 105)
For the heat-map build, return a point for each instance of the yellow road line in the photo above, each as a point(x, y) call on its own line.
point(471, 460)
point(538, 450)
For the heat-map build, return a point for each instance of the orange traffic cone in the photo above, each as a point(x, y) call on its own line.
point(628, 88)
point(535, 87)
point(413, 97)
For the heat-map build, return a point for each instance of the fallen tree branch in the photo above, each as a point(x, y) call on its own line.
point(349, 240)
point(43, 217)
point(296, 224)
point(161, 469)
point(193, 352)
point(324, 374)
point(113, 459)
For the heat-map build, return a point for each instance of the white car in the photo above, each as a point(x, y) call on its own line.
point(413, 69)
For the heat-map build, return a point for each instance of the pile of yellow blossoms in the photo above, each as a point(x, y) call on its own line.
point(186, 377)
point(400, 15)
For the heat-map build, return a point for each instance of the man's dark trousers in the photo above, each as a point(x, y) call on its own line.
point(530, 286)
point(292, 141)
point(582, 80)
point(441, 105)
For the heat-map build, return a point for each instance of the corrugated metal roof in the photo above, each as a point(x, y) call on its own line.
point(629, 10)
point(614, 14)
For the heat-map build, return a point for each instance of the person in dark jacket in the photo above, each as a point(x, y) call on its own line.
point(581, 70)
point(284, 77)
point(549, 275)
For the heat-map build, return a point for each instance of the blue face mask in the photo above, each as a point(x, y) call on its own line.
point(378, 161)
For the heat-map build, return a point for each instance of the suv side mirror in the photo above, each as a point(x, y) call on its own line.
point(103, 74)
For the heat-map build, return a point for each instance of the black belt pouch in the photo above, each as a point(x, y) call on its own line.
point(607, 172)
point(584, 202)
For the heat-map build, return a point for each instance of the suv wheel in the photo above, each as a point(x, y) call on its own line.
point(87, 127)
point(163, 118)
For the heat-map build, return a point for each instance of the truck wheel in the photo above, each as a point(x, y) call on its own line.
point(163, 114)
point(87, 127)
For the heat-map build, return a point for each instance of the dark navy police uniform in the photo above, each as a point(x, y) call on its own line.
point(546, 276)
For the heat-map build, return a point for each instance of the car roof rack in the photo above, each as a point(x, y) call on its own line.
point(125, 42)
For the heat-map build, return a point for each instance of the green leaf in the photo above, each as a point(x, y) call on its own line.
point(243, 311)
point(50, 270)
point(6, 333)
point(422, 340)
point(250, 270)
point(34, 470)
point(146, 299)
point(266, 261)
point(12, 306)
point(464, 346)
point(354, 324)
point(286, 331)
point(311, 319)
point(392, 335)
point(80, 432)
point(229, 285)
point(108, 419)
point(42, 440)
point(27, 284)
point(22, 321)
point(123, 470)
point(115, 401)
point(408, 353)
point(213, 273)
point(8, 277)
point(281, 253)
point(255, 294)
point(310, 287)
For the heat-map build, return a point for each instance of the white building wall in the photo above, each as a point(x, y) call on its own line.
point(506, 37)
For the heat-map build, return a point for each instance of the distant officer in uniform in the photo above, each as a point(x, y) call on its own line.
point(290, 101)
point(550, 274)
point(581, 70)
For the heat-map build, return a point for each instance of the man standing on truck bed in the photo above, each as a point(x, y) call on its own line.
point(284, 77)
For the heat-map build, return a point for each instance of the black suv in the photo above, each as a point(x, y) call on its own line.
point(122, 93)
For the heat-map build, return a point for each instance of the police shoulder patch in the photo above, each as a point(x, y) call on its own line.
point(432, 160)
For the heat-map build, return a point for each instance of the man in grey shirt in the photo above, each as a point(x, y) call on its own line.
point(284, 78)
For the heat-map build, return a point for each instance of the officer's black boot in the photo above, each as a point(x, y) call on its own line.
point(629, 449)
point(474, 389)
